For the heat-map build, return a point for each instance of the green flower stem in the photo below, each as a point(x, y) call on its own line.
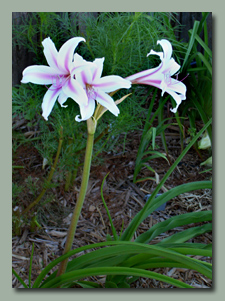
point(49, 176)
point(83, 189)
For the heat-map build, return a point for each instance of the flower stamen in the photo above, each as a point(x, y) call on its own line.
point(181, 79)
point(58, 81)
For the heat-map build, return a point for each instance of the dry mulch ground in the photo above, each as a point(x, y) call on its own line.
point(124, 199)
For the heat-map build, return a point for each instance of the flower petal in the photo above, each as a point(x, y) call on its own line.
point(78, 60)
point(49, 101)
point(106, 101)
point(160, 54)
point(99, 68)
point(62, 98)
point(74, 90)
point(167, 48)
point(111, 83)
point(170, 67)
point(50, 52)
point(147, 77)
point(86, 111)
point(84, 75)
point(177, 86)
point(41, 75)
point(65, 55)
point(177, 97)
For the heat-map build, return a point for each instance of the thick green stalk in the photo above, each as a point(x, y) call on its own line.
point(83, 190)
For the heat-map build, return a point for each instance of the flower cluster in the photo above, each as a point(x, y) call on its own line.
point(69, 75)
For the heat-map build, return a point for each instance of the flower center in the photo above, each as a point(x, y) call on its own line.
point(58, 81)
point(167, 78)
point(90, 91)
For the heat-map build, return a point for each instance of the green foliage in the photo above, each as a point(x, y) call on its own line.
point(124, 39)
point(198, 64)
point(148, 136)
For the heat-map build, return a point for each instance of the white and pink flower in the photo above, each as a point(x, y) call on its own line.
point(59, 74)
point(71, 76)
point(160, 76)
point(97, 87)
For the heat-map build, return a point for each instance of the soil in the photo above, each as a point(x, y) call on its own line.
point(123, 198)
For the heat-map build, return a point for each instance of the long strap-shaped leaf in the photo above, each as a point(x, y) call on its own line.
point(80, 274)
point(126, 256)
point(173, 222)
point(129, 232)
point(126, 248)
point(19, 278)
point(143, 258)
point(190, 44)
point(160, 200)
point(187, 234)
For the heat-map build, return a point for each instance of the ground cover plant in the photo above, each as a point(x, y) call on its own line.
point(105, 96)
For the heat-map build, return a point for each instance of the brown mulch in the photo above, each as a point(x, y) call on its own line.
point(123, 198)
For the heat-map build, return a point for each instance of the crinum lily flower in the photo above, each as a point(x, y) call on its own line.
point(59, 73)
point(97, 87)
point(160, 76)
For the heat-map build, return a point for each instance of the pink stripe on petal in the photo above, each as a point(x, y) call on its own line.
point(106, 101)
point(49, 101)
point(86, 111)
point(74, 90)
point(50, 52)
point(97, 72)
point(111, 83)
point(65, 56)
point(145, 74)
point(41, 75)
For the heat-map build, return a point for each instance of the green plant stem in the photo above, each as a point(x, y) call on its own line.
point(49, 177)
point(80, 201)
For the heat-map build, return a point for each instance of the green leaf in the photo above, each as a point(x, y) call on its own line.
point(187, 234)
point(203, 44)
point(110, 284)
point(173, 222)
point(107, 210)
point(88, 284)
point(79, 274)
point(205, 62)
point(153, 137)
point(165, 197)
point(123, 284)
point(115, 249)
point(190, 44)
point(19, 278)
